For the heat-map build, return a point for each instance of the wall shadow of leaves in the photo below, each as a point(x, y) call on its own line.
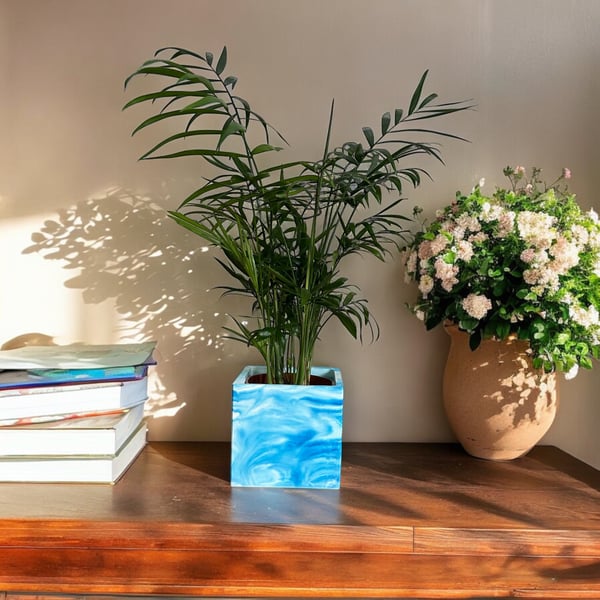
point(123, 248)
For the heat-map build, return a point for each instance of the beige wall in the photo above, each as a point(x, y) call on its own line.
point(111, 267)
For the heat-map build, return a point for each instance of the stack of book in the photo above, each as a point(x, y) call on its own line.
point(72, 413)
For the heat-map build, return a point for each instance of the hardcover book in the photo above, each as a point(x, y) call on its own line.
point(99, 435)
point(77, 356)
point(70, 469)
point(73, 398)
point(19, 378)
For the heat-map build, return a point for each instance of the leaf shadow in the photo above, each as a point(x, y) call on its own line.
point(120, 247)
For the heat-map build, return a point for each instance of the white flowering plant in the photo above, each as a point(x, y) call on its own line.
point(522, 262)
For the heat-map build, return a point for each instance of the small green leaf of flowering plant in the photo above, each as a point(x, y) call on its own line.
point(524, 261)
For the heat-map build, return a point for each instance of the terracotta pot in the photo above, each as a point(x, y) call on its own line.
point(497, 404)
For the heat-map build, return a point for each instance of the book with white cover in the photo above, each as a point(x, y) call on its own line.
point(99, 435)
point(76, 356)
point(72, 398)
point(74, 469)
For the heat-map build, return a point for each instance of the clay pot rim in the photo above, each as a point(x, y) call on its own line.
point(510, 338)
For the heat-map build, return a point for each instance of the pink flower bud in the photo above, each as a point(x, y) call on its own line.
point(566, 173)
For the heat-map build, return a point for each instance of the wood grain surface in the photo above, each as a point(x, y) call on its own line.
point(411, 520)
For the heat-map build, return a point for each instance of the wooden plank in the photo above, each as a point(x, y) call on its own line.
point(30, 596)
point(232, 537)
point(509, 542)
point(246, 574)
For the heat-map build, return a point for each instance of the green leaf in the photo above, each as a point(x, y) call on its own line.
point(468, 324)
point(385, 122)
point(398, 114)
point(428, 100)
point(199, 229)
point(231, 127)
point(416, 97)
point(169, 94)
point(475, 340)
point(347, 322)
point(243, 168)
point(264, 148)
point(178, 136)
point(164, 71)
point(207, 101)
point(197, 152)
point(162, 117)
point(369, 135)
point(222, 62)
point(230, 81)
point(502, 329)
point(499, 288)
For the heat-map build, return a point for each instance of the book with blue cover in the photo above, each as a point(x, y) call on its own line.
point(41, 366)
point(19, 378)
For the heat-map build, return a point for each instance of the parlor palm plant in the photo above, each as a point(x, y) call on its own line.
point(285, 228)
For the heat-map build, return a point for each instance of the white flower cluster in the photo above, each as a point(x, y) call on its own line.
point(548, 254)
point(586, 317)
point(457, 238)
point(536, 228)
point(505, 218)
point(524, 261)
point(476, 305)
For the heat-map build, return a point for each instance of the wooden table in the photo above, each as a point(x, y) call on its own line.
point(411, 520)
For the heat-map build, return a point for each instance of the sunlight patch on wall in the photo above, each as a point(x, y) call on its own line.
point(113, 269)
point(33, 297)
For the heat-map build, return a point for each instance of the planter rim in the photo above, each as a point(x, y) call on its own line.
point(332, 373)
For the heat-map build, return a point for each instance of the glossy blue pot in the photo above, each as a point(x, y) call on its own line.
point(287, 436)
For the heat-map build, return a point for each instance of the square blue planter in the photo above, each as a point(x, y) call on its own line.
point(287, 436)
